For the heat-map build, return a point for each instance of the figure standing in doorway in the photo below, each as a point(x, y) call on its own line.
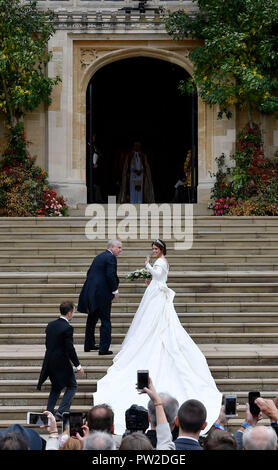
point(136, 184)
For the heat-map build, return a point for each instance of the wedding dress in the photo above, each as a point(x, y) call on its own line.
point(156, 341)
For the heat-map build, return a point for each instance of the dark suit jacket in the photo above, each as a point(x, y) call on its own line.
point(101, 281)
point(187, 444)
point(59, 355)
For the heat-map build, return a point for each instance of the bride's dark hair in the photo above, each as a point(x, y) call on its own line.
point(161, 245)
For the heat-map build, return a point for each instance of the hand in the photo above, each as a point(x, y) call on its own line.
point(81, 439)
point(147, 281)
point(116, 296)
point(147, 260)
point(251, 419)
point(80, 372)
point(52, 425)
point(267, 407)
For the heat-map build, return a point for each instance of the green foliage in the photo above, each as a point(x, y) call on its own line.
point(250, 187)
point(24, 35)
point(236, 60)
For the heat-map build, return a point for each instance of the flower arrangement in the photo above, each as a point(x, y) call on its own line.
point(24, 188)
point(139, 273)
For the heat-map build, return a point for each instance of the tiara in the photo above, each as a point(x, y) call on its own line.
point(159, 242)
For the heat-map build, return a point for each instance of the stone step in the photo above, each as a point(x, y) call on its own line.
point(118, 328)
point(134, 298)
point(8, 413)
point(117, 338)
point(79, 267)
point(207, 277)
point(96, 372)
point(134, 239)
point(140, 287)
point(189, 307)
point(231, 385)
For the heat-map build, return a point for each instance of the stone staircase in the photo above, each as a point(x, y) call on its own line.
point(226, 298)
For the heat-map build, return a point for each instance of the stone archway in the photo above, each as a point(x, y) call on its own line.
point(89, 56)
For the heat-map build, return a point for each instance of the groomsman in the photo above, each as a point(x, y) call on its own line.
point(60, 353)
point(98, 291)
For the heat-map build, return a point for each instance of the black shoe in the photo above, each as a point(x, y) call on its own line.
point(58, 416)
point(93, 348)
point(104, 353)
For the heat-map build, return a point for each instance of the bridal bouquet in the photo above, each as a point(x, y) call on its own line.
point(139, 273)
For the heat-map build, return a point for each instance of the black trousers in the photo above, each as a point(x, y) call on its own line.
point(66, 400)
point(105, 329)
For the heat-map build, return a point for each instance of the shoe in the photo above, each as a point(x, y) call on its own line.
point(104, 353)
point(93, 348)
point(58, 416)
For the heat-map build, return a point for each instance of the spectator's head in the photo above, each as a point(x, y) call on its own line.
point(136, 441)
point(191, 417)
point(219, 440)
point(32, 437)
point(98, 440)
point(259, 438)
point(67, 309)
point(101, 418)
point(170, 406)
point(13, 441)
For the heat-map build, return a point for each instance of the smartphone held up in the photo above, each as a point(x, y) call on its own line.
point(230, 406)
point(142, 380)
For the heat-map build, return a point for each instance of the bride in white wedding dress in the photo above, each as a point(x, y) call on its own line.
point(156, 341)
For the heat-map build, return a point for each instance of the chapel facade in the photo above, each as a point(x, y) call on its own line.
point(119, 74)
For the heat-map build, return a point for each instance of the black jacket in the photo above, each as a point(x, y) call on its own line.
point(101, 281)
point(59, 355)
point(187, 444)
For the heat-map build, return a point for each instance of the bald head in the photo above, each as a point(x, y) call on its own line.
point(260, 438)
point(101, 418)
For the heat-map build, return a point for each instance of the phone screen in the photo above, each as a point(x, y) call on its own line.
point(230, 406)
point(254, 409)
point(38, 419)
point(76, 423)
point(142, 379)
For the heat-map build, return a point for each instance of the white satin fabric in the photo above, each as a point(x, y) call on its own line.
point(157, 341)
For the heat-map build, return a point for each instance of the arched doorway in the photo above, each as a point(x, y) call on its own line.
point(138, 99)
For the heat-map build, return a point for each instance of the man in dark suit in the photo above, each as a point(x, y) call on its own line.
point(191, 420)
point(98, 291)
point(60, 353)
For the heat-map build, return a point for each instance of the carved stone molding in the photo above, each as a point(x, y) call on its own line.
point(88, 56)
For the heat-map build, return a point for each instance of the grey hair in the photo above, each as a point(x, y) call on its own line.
point(112, 243)
point(170, 406)
point(253, 439)
point(99, 440)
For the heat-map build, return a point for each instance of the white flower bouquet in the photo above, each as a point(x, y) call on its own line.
point(139, 273)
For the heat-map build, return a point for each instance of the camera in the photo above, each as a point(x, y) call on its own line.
point(136, 419)
point(37, 419)
point(230, 406)
point(142, 379)
point(254, 409)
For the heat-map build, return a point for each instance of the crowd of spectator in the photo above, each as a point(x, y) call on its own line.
point(170, 426)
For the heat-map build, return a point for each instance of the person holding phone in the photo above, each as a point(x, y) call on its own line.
point(97, 293)
point(57, 364)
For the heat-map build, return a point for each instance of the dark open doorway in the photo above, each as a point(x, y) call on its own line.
point(138, 99)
